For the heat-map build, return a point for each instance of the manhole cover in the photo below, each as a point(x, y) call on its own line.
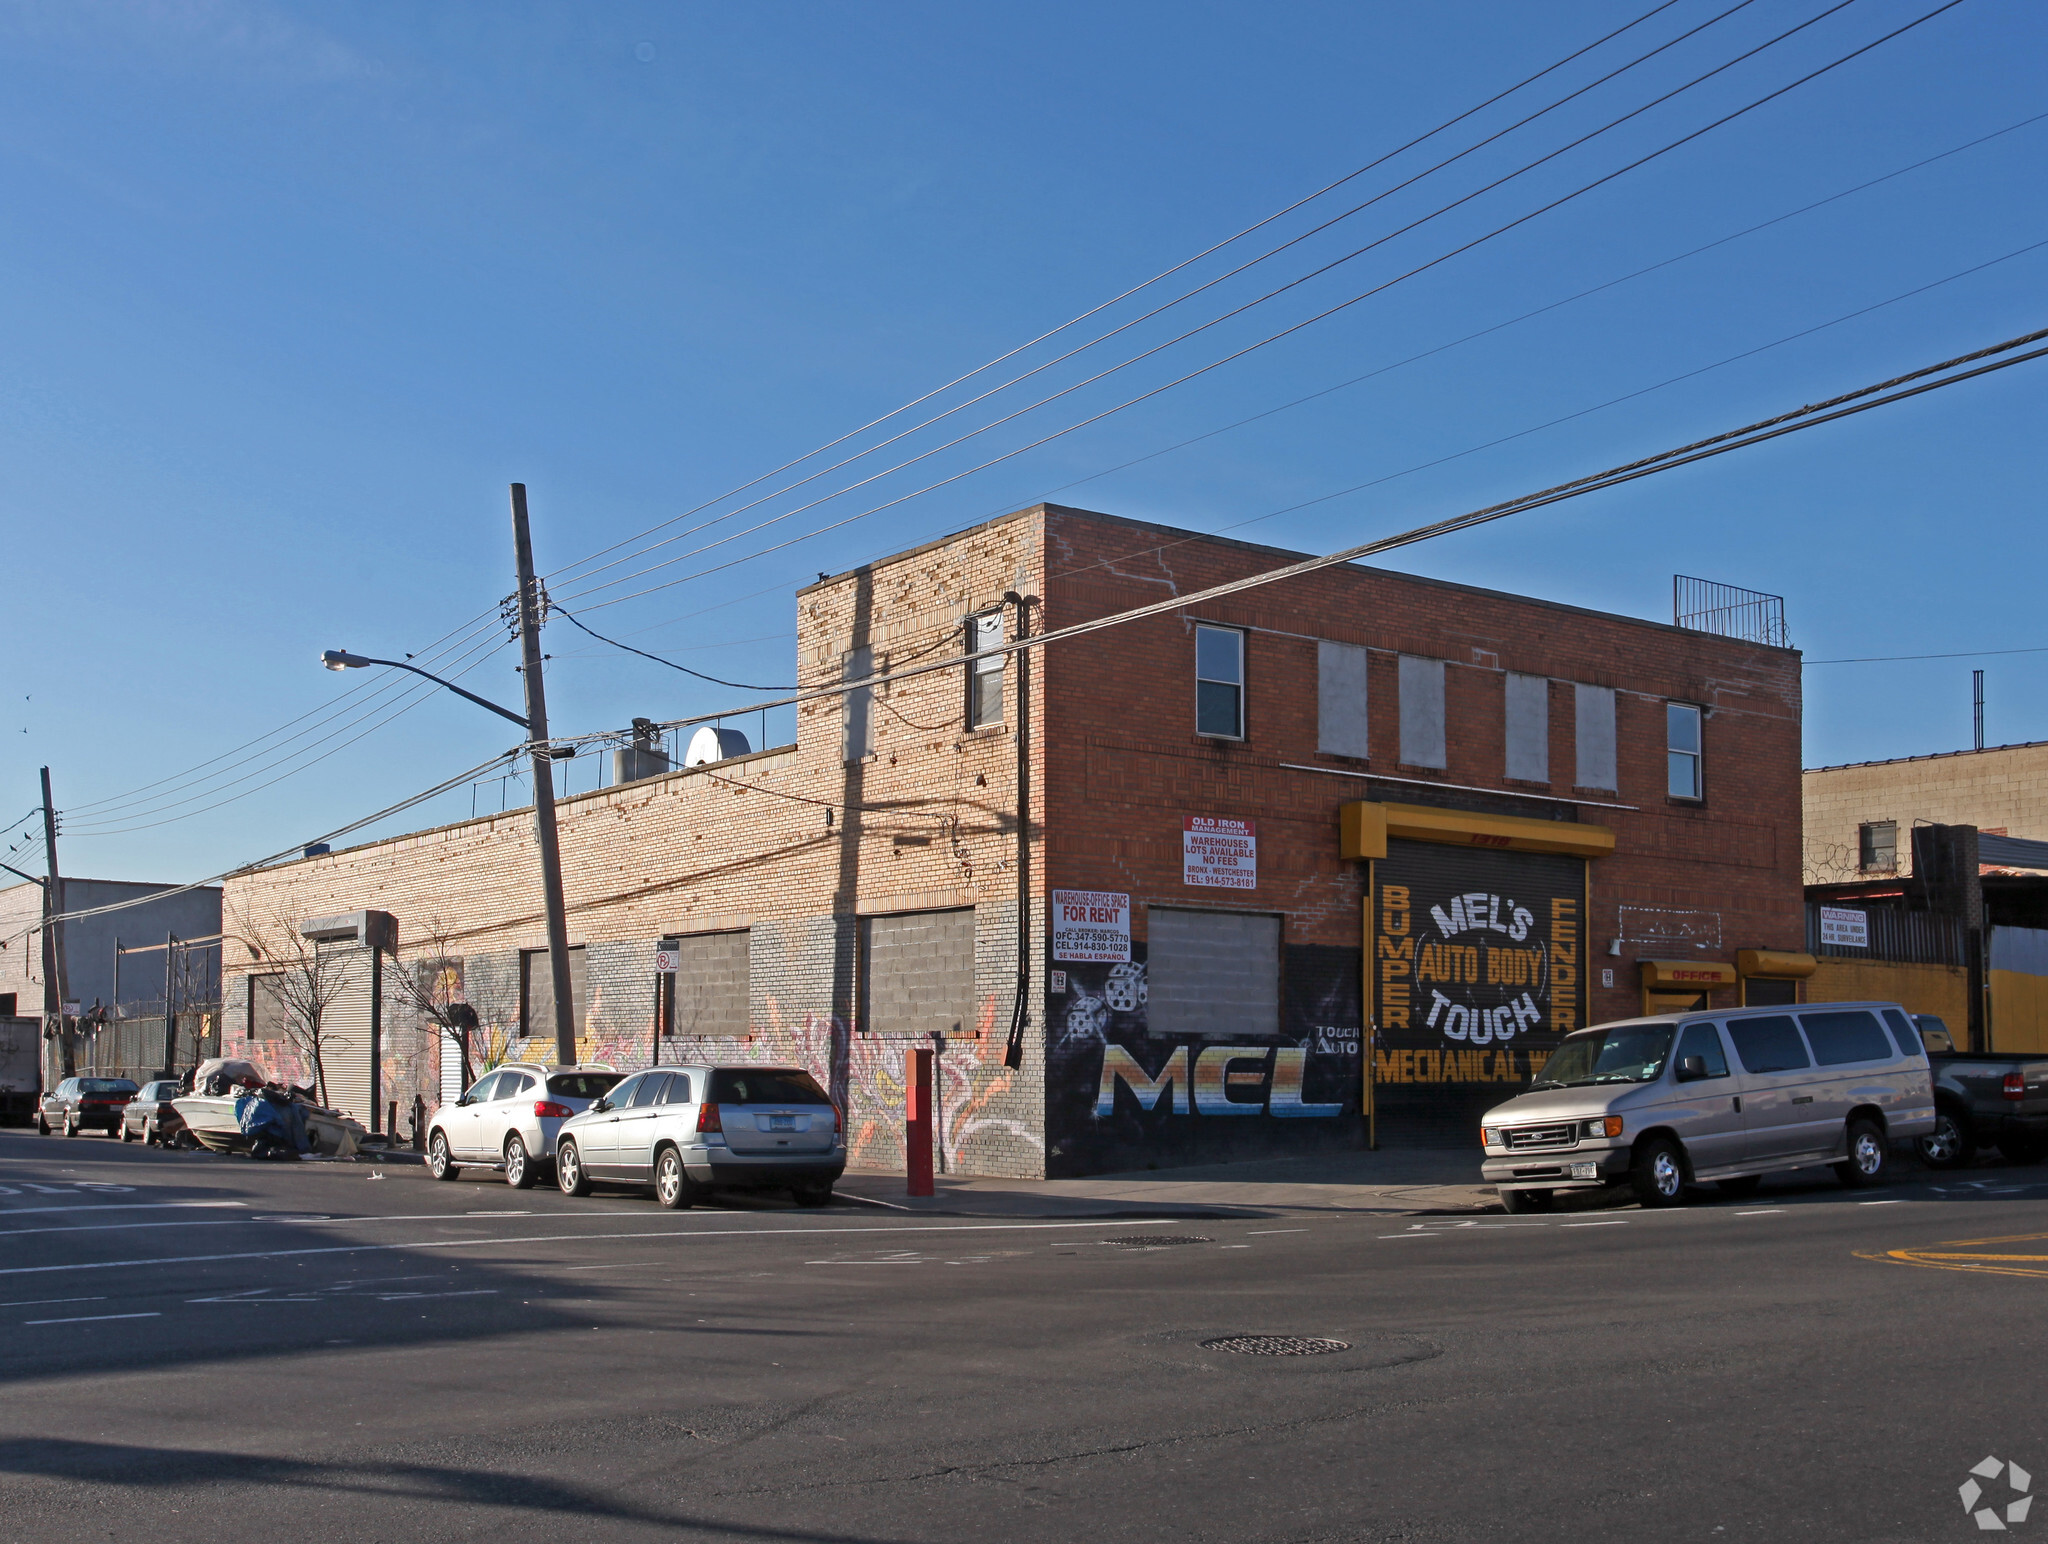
point(1155, 1240)
point(1276, 1345)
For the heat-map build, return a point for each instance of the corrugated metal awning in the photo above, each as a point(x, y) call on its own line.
point(2011, 851)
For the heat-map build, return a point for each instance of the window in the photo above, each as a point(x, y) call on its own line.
point(1769, 992)
point(706, 996)
point(678, 1089)
point(857, 707)
point(1422, 713)
point(1340, 699)
point(917, 973)
point(537, 991)
point(1682, 742)
point(1768, 1044)
point(1703, 1041)
point(766, 1085)
point(1219, 682)
point(1850, 1036)
point(650, 1089)
point(1528, 728)
point(7, 1005)
point(1214, 974)
point(1593, 715)
point(269, 1018)
point(985, 670)
point(581, 1085)
point(480, 1090)
point(625, 1093)
point(1877, 846)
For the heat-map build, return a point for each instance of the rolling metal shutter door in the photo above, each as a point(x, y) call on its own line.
point(349, 1041)
point(1478, 972)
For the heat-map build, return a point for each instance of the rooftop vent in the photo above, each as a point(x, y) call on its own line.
point(709, 744)
point(1729, 611)
point(643, 758)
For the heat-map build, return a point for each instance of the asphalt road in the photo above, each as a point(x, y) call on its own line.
point(214, 1349)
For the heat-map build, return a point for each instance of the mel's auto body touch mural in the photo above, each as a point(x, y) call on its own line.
point(1478, 972)
point(1118, 1097)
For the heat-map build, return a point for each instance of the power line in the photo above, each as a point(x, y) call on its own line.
point(1888, 659)
point(1228, 358)
point(1209, 284)
point(1350, 176)
point(1861, 400)
point(561, 610)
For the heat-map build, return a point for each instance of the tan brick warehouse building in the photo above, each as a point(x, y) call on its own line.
point(1551, 798)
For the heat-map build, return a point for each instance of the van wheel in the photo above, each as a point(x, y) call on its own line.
point(569, 1173)
point(1868, 1155)
point(440, 1163)
point(1658, 1174)
point(671, 1184)
point(1741, 1185)
point(1516, 1202)
point(1949, 1145)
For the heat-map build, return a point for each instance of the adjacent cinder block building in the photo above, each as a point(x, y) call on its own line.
point(1353, 842)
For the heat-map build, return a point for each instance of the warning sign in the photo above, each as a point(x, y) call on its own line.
point(1092, 926)
point(1220, 853)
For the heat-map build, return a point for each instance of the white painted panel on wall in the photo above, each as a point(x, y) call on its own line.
point(1528, 727)
point(1596, 737)
point(1340, 699)
point(1422, 712)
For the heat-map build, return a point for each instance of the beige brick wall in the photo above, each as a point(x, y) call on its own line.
point(2004, 788)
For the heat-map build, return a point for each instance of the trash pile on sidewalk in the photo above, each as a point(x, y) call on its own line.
point(232, 1108)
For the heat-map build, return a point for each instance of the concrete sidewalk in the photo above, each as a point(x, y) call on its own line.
point(1389, 1181)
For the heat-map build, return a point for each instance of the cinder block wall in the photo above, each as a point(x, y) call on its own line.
point(2004, 788)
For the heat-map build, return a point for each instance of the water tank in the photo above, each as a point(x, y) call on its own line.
point(708, 745)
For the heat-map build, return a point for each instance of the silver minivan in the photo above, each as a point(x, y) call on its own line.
point(1730, 1096)
point(686, 1130)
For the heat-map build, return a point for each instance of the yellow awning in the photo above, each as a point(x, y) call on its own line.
point(1781, 964)
point(1365, 827)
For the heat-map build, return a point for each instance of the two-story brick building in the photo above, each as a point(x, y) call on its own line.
point(1525, 817)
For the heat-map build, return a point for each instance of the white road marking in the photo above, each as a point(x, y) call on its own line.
point(44, 1302)
point(1761, 1211)
point(114, 1206)
point(1614, 1222)
point(590, 1238)
point(127, 1227)
point(1901, 1201)
point(1257, 1232)
point(93, 1318)
point(406, 1297)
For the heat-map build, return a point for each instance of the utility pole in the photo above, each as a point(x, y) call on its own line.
point(53, 940)
point(543, 783)
point(170, 1005)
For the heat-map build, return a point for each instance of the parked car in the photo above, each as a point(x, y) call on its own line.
point(1683, 1098)
point(1982, 1098)
point(84, 1104)
point(509, 1119)
point(687, 1130)
point(149, 1116)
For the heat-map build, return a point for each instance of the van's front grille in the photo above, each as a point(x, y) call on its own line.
point(1522, 1138)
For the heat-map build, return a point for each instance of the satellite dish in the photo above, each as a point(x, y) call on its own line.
point(708, 745)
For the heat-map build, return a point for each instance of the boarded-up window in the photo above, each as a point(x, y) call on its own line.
point(268, 1016)
point(1528, 727)
point(1422, 712)
point(708, 992)
point(858, 706)
point(537, 990)
point(1215, 974)
point(1340, 699)
point(917, 973)
point(1596, 737)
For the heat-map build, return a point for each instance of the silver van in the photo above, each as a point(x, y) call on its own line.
point(1685, 1098)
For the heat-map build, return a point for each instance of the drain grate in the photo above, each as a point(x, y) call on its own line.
point(1276, 1345)
point(1156, 1240)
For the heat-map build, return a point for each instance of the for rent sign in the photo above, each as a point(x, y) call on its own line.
point(1091, 926)
point(1220, 853)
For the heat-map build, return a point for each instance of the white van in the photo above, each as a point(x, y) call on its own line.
point(1687, 1098)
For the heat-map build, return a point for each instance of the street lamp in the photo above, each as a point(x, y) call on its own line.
point(542, 752)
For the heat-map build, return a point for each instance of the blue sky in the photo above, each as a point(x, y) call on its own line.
point(292, 293)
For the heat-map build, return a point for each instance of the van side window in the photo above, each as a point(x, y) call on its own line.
point(1768, 1044)
point(1903, 1032)
point(651, 1088)
point(1846, 1036)
point(1702, 1041)
point(678, 1089)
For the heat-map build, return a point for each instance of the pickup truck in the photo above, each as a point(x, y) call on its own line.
point(1982, 1098)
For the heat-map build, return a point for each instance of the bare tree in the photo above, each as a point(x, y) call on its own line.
point(305, 981)
point(432, 984)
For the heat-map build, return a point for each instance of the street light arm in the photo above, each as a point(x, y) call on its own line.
point(341, 659)
point(34, 879)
